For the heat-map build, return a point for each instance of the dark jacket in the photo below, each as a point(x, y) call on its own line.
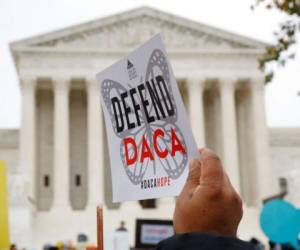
point(203, 241)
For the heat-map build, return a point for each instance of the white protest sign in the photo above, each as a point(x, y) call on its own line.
point(149, 135)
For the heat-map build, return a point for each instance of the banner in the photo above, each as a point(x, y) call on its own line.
point(4, 235)
point(149, 135)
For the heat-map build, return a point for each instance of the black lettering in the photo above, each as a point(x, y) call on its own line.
point(116, 105)
point(145, 103)
point(127, 110)
point(155, 99)
point(135, 106)
point(170, 107)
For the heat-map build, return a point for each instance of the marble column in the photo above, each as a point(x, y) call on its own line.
point(265, 185)
point(229, 131)
point(61, 143)
point(95, 145)
point(196, 109)
point(28, 136)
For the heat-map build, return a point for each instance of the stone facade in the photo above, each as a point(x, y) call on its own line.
point(9, 147)
point(285, 159)
point(284, 153)
point(63, 151)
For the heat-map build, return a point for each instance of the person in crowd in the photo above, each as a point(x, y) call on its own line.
point(13, 247)
point(287, 246)
point(271, 245)
point(257, 244)
point(208, 210)
point(122, 227)
point(46, 246)
point(53, 248)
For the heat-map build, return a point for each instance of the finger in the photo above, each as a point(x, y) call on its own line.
point(211, 168)
point(193, 179)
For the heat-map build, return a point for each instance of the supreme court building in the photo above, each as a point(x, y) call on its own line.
point(62, 152)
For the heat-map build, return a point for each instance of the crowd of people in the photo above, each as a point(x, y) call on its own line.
point(207, 214)
point(81, 244)
point(257, 244)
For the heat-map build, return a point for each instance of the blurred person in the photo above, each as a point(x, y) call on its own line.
point(60, 245)
point(122, 227)
point(287, 246)
point(208, 210)
point(71, 246)
point(271, 245)
point(47, 246)
point(82, 238)
point(13, 247)
point(82, 241)
point(274, 246)
point(257, 244)
point(53, 248)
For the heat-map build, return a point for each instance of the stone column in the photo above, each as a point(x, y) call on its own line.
point(27, 135)
point(61, 143)
point(265, 186)
point(95, 145)
point(229, 131)
point(196, 109)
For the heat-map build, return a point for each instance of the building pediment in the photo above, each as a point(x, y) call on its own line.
point(132, 28)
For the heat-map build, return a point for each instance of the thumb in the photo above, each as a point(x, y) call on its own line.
point(212, 170)
point(193, 179)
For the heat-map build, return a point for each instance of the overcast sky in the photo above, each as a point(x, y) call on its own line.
point(24, 18)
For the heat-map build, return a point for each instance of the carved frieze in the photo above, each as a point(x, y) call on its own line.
point(134, 31)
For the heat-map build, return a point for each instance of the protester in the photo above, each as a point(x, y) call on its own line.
point(208, 210)
point(122, 227)
point(13, 247)
point(257, 244)
point(287, 246)
point(271, 245)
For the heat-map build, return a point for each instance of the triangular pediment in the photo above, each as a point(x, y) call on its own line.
point(132, 28)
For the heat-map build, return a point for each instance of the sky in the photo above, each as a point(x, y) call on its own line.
point(21, 19)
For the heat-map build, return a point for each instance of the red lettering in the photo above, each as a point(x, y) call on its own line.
point(159, 133)
point(130, 160)
point(132, 152)
point(165, 181)
point(176, 144)
point(146, 151)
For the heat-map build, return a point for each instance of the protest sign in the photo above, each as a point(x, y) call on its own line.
point(4, 235)
point(149, 135)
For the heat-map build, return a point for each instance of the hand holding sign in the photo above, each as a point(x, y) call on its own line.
point(208, 202)
point(150, 139)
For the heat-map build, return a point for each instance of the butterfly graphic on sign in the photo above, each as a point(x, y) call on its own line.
point(155, 85)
